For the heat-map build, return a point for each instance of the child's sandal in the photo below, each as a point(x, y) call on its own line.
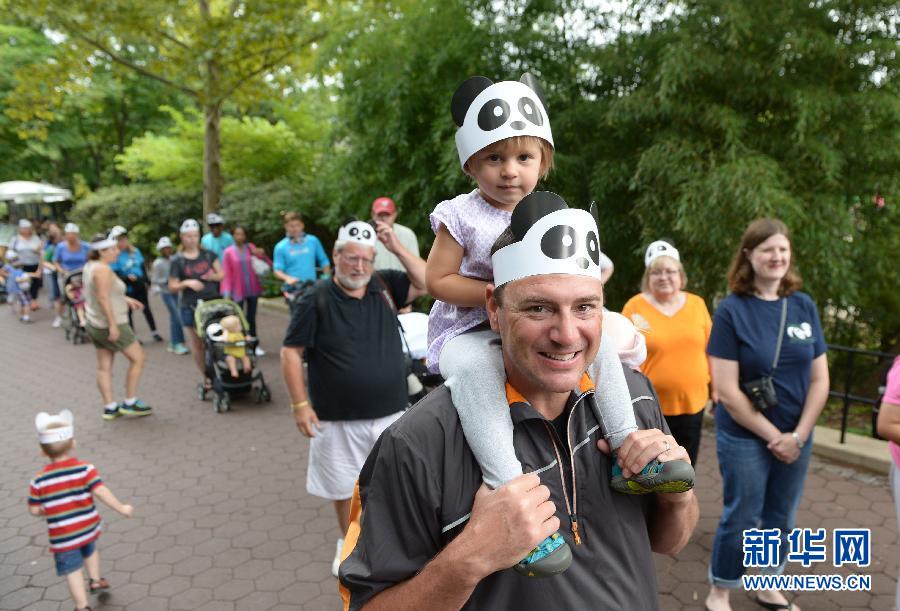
point(99, 585)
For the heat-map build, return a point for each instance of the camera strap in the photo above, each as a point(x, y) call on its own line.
point(784, 304)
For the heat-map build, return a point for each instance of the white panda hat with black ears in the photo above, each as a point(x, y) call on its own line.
point(487, 112)
point(357, 231)
point(551, 239)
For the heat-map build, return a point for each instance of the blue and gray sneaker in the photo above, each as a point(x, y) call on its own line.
point(139, 408)
point(111, 413)
point(551, 557)
point(671, 476)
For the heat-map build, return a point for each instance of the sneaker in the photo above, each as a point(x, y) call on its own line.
point(336, 563)
point(25, 319)
point(57, 321)
point(180, 348)
point(111, 413)
point(551, 557)
point(139, 408)
point(157, 337)
point(260, 352)
point(672, 476)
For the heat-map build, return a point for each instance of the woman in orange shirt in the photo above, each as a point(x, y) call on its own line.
point(676, 325)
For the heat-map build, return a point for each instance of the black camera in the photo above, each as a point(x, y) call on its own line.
point(761, 393)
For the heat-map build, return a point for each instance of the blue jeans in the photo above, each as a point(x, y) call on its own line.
point(759, 491)
point(176, 333)
point(72, 560)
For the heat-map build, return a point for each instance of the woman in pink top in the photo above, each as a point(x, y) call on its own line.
point(889, 428)
point(239, 281)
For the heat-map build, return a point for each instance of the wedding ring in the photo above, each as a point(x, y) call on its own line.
point(666, 441)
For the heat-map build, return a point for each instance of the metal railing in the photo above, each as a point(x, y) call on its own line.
point(847, 396)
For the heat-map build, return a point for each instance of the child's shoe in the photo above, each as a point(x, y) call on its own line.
point(157, 337)
point(551, 557)
point(111, 413)
point(671, 476)
point(178, 348)
point(100, 585)
point(138, 408)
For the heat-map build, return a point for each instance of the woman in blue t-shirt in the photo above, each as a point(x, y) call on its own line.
point(130, 268)
point(763, 453)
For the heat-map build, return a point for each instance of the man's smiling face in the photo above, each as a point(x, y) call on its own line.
point(550, 327)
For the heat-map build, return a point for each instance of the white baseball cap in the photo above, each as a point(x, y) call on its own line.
point(214, 219)
point(189, 225)
point(71, 228)
point(24, 223)
point(117, 231)
point(164, 242)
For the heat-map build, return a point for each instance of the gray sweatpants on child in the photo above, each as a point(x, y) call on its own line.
point(472, 366)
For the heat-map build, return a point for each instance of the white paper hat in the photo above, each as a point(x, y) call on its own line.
point(660, 248)
point(71, 228)
point(214, 219)
point(164, 242)
point(64, 430)
point(551, 239)
point(357, 231)
point(117, 231)
point(487, 112)
point(189, 225)
point(104, 244)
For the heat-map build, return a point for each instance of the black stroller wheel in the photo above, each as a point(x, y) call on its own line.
point(267, 394)
point(201, 392)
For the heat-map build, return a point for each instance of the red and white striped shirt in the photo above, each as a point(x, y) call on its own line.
point(65, 491)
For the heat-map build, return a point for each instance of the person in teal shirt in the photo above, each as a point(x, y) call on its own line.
point(217, 239)
point(297, 256)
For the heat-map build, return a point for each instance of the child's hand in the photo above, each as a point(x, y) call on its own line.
point(127, 510)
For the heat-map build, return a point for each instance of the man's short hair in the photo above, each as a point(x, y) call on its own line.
point(57, 448)
point(504, 239)
point(292, 216)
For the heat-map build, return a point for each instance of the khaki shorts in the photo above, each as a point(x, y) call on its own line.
point(98, 336)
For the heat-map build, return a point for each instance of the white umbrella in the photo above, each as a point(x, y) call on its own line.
point(23, 192)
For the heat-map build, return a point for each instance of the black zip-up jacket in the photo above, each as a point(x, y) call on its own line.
point(416, 491)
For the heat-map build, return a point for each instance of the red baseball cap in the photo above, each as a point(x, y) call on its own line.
point(383, 204)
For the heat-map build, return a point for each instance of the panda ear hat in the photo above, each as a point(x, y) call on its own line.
point(359, 232)
point(488, 112)
point(551, 238)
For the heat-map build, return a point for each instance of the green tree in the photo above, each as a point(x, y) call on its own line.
point(210, 50)
point(685, 120)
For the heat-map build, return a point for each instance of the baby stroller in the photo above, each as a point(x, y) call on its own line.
point(72, 285)
point(206, 320)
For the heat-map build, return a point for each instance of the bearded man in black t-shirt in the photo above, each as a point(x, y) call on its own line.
point(348, 329)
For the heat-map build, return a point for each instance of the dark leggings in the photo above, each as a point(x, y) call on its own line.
point(139, 292)
point(35, 282)
point(249, 306)
point(686, 430)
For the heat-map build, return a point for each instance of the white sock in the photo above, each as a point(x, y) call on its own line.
point(130, 401)
point(111, 405)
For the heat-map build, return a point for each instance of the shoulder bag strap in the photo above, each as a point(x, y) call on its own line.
point(780, 332)
point(389, 300)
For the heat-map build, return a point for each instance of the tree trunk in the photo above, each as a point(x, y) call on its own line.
point(212, 171)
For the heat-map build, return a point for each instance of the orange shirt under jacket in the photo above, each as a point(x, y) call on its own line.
point(676, 352)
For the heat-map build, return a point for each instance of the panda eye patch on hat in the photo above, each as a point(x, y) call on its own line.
point(488, 112)
point(551, 239)
point(357, 231)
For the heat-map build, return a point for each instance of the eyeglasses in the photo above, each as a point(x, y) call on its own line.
point(355, 260)
point(664, 272)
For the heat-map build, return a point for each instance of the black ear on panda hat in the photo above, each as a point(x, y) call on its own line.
point(551, 238)
point(487, 112)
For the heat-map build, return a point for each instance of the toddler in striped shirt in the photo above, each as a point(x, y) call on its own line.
point(63, 492)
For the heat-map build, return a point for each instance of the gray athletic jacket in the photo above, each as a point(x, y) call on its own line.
point(416, 490)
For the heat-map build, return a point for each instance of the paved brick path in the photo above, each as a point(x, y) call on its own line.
point(223, 520)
